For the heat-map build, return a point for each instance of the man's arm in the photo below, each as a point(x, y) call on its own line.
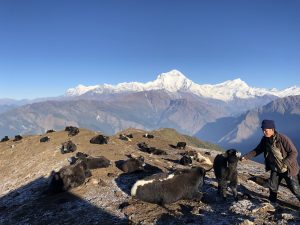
point(255, 152)
point(290, 149)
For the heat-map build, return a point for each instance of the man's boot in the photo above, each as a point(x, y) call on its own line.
point(273, 197)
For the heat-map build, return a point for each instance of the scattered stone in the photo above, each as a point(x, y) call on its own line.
point(287, 216)
point(242, 207)
point(266, 207)
point(196, 210)
point(247, 222)
point(94, 181)
point(118, 194)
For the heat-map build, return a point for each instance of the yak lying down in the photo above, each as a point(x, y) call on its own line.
point(166, 188)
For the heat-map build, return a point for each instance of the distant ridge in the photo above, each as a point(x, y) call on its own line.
point(244, 132)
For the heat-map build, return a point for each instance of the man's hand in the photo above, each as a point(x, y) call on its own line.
point(242, 158)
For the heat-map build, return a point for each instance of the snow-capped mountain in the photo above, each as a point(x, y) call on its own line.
point(175, 81)
point(172, 81)
point(172, 100)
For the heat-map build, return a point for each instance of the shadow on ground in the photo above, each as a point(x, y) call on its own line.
point(30, 205)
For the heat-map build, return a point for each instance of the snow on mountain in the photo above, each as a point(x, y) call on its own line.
point(80, 90)
point(175, 81)
point(289, 92)
point(172, 81)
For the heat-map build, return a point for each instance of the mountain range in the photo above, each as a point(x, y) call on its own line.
point(175, 81)
point(244, 132)
point(228, 114)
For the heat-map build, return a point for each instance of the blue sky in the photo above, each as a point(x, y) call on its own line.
point(49, 46)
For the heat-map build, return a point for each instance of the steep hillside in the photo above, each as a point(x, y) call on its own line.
point(244, 132)
point(105, 197)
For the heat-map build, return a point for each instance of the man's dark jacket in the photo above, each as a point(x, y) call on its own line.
point(288, 151)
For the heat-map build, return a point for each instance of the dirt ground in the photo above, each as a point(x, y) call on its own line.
point(105, 196)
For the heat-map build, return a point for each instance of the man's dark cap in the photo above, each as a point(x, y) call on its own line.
point(268, 124)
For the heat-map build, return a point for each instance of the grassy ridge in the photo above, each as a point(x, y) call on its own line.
point(172, 134)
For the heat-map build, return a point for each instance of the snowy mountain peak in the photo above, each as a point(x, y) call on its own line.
point(237, 83)
point(80, 90)
point(174, 81)
point(173, 75)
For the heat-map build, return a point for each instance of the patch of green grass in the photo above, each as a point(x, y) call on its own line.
point(202, 144)
point(171, 134)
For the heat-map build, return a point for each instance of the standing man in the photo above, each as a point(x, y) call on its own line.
point(280, 157)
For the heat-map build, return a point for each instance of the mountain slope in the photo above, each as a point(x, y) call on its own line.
point(144, 110)
point(105, 196)
point(244, 132)
point(39, 117)
point(172, 100)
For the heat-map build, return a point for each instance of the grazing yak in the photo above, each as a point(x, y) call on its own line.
point(72, 160)
point(156, 151)
point(186, 160)
point(50, 131)
point(151, 150)
point(166, 188)
point(197, 156)
point(129, 135)
point(125, 137)
point(97, 162)
point(67, 147)
point(181, 145)
point(74, 174)
point(81, 155)
point(18, 138)
point(99, 139)
point(225, 168)
point(148, 135)
point(68, 177)
point(91, 162)
point(4, 139)
point(45, 139)
point(143, 147)
point(72, 131)
point(133, 164)
point(203, 159)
